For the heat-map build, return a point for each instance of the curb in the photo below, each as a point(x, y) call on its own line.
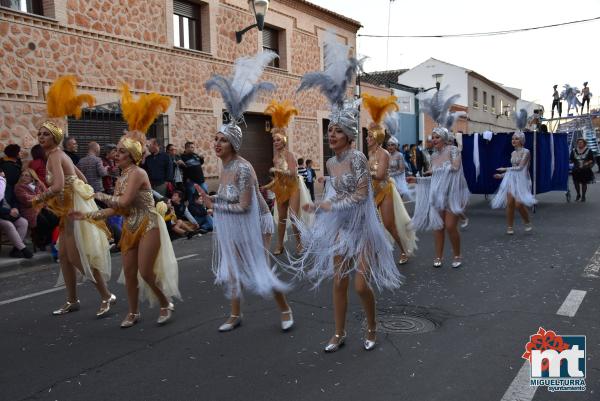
point(39, 258)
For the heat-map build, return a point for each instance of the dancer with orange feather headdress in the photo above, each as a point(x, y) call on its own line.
point(387, 199)
point(83, 246)
point(289, 188)
point(146, 248)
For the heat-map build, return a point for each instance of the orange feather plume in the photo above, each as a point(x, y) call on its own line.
point(141, 114)
point(63, 100)
point(378, 107)
point(281, 113)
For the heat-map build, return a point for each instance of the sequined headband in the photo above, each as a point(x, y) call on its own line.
point(134, 148)
point(56, 132)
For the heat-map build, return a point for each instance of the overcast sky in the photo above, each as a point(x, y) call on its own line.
point(532, 61)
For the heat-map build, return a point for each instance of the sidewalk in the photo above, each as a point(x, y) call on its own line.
point(39, 258)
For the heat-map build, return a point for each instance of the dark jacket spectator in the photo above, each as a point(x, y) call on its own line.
point(159, 167)
point(70, 146)
point(193, 172)
point(92, 167)
point(201, 214)
point(310, 179)
point(38, 162)
point(11, 165)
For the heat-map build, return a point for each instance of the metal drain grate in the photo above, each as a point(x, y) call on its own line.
point(403, 324)
point(404, 319)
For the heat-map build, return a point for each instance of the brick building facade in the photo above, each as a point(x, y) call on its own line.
point(167, 46)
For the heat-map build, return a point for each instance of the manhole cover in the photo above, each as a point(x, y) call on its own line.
point(404, 319)
point(403, 324)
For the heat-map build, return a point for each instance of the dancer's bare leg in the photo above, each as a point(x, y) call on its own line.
point(74, 260)
point(282, 211)
point(147, 253)
point(510, 211)
point(295, 208)
point(365, 292)
point(389, 222)
point(523, 212)
point(439, 238)
point(130, 271)
point(451, 225)
point(279, 296)
point(340, 300)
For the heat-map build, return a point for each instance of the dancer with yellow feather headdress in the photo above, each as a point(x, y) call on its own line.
point(83, 246)
point(289, 188)
point(146, 248)
point(387, 199)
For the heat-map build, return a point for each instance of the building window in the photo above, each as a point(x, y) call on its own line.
point(26, 6)
point(187, 32)
point(485, 105)
point(493, 104)
point(271, 42)
point(475, 97)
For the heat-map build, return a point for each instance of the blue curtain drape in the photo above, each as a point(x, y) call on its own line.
point(496, 153)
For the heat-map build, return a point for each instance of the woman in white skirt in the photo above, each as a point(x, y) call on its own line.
point(397, 167)
point(443, 195)
point(243, 225)
point(515, 190)
point(347, 236)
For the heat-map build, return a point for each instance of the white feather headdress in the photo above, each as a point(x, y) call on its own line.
point(239, 90)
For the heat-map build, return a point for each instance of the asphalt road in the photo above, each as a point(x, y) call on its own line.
point(476, 321)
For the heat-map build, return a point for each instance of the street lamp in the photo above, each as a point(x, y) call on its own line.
point(438, 82)
point(259, 8)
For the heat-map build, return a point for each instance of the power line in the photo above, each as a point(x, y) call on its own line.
point(479, 34)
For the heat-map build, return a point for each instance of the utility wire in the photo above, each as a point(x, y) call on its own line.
point(478, 34)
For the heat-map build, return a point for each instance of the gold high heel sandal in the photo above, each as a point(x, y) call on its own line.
point(130, 320)
point(67, 307)
point(403, 259)
point(169, 309)
point(105, 305)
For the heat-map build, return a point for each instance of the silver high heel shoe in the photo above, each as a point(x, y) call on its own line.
point(130, 320)
point(457, 262)
point(287, 324)
point(510, 231)
point(162, 319)
point(67, 307)
point(227, 326)
point(332, 347)
point(105, 305)
point(403, 259)
point(370, 344)
point(528, 227)
point(437, 262)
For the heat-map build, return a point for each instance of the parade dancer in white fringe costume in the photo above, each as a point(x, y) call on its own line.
point(150, 269)
point(347, 236)
point(515, 189)
point(387, 199)
point(397, 168)
point(442, 196)
point(289, 187)
point(83, 246)
point(241, 215)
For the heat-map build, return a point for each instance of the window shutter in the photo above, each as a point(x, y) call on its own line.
point(271, 39)
point(185, 9)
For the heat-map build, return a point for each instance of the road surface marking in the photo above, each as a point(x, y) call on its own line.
point(187, 256)
point(571, 304)
point(36, 294)
point(593, 268)
point(519, 389)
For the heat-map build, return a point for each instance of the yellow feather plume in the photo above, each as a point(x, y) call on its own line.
point(281, 113)
point(63, 100)
point(141, 114)
point(378, 107)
